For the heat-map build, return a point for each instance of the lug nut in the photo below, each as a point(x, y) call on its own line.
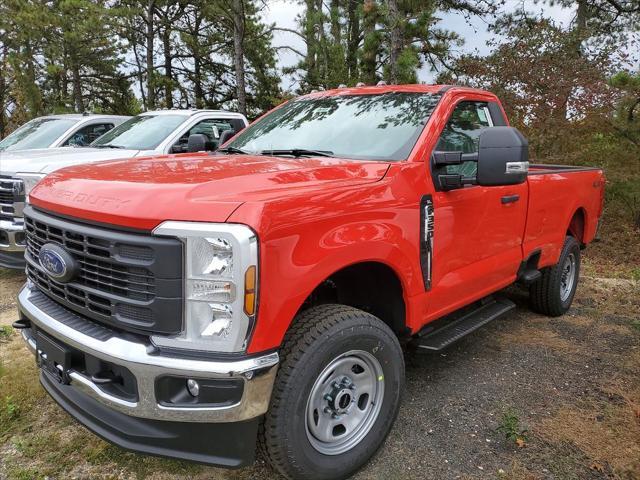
point(327, 410)
point(328, 398)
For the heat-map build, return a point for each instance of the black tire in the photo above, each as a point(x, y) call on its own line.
point(316, 338)
point(545, 294)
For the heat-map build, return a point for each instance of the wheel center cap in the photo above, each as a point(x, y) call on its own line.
point(341, 397)
point(342, 401)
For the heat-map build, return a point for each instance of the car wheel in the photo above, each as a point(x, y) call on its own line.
point(552, 294)
point(336, 394)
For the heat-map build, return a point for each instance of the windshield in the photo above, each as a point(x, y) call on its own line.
point(38, 133)
point(144, 132)
point(371, 127)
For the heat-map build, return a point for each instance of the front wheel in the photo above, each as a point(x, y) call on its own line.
point(552, 294)
point(336, 396)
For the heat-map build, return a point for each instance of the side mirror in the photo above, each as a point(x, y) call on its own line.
point(197, 142)
point(225, 137)
point(503, 157)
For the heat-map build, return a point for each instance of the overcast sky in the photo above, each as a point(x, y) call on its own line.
point(283, 13)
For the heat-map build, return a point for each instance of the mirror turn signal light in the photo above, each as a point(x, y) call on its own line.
point(250, 291)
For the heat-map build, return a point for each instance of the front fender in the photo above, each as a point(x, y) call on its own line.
point(304, 242)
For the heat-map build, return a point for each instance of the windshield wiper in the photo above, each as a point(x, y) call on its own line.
point(234, 150)
point(108, 145)
point(299, 152)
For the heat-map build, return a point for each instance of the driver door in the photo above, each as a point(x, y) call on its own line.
point(478, 230)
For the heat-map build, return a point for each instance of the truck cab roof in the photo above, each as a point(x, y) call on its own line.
point(188, 112)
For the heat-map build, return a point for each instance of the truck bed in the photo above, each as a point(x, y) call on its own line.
point(541, 168)
point(561, 198)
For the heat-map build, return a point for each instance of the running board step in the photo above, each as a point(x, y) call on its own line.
point(454, 331)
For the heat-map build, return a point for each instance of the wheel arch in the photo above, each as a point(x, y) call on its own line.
point(577, 225)
point(373, 286)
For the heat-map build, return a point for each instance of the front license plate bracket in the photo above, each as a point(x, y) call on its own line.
point(53, 357)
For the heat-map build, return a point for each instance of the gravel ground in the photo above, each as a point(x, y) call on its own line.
point(569, 389)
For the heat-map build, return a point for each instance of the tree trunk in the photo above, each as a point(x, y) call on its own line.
point(312, 44)
point(3, 91)
point(395, 41)
point(582, 15)
point(198, 92)
point(353, 40)
point(197, 82)
point(168, 68)
point(238, 54)
point(139, 70)
point(370, 49)
point(151, 97)
point(77, 86)
point(336, 31)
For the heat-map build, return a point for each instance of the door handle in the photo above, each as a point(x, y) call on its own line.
point(510, 199)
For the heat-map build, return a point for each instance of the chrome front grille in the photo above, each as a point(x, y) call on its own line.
point(129, 280)
point(99, 273)
point(11, 196)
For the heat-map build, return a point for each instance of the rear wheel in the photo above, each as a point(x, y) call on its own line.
point(336, 395)
point(552, 294)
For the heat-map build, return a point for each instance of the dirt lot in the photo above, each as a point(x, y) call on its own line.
point(524, 398)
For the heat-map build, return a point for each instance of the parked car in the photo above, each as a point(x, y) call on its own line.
point(189, 307)
point(74, 130)
point(151, 133)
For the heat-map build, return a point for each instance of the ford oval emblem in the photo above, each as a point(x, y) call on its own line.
point(57, 262)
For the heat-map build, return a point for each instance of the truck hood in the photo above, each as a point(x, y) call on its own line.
point(47, 160)
point(143, 192)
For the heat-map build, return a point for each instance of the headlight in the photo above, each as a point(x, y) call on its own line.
point(29, 180)
point(220, 285)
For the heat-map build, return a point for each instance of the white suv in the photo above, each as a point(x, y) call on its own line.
point(75, 130)
point(151, 133)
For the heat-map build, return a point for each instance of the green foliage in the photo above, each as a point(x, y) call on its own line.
point(626, 196)
point(511, 429)
point(553, 91)
point(74, 55)
point(627, 116)
point(11, 407)
point(5, 332)
point(365, 41)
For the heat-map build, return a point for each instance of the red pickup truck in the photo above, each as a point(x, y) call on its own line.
point(198, 306)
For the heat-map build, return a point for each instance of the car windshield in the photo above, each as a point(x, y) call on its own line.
point(370, 127)
point(38, 133)
point(144, 132)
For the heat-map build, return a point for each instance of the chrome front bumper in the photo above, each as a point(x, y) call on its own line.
point(147, 364)
point(12, 238)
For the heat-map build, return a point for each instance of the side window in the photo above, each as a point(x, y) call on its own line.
point(88, 134)
point(211, 127)
point(462, 132)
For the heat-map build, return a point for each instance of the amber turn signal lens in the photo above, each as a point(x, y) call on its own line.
point(250, 290)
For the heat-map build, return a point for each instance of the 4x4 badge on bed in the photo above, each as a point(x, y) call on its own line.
point(57, 262)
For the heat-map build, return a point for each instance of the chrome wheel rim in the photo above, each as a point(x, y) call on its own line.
point(568, 277)
point(344, 402)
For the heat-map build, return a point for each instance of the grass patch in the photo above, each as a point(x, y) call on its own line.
point(511, 428)
point(11, 407)
point(608, 433)
point(17, 472)
point(6, 331)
